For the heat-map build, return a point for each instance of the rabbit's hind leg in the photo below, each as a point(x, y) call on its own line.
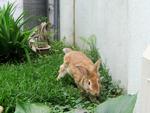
point(62, 71)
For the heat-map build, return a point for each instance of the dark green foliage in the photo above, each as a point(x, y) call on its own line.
point(57, 47)
point(13, 40)
point(110, 88)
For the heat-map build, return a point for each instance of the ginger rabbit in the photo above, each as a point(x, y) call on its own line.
point(84, 72)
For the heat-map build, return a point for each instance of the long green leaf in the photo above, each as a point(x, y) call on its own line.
point(12, 38)
point(31, 108)
point(122, 104)
point(27, 55)
point(24, 22)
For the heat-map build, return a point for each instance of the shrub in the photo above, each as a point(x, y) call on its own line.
point(13, 40)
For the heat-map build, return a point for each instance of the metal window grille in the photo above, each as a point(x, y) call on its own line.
point(43, 8)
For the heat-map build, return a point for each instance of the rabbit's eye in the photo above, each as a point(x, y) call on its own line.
point(89, 83)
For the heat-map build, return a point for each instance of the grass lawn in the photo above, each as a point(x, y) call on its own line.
point(37, 83)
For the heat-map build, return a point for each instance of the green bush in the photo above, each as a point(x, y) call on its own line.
point(13, 40)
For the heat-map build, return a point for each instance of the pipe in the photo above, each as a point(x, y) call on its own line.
point(74, 23)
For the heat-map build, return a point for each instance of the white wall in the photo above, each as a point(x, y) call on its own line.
point(18, 3)
point(108, 21)
point(143, 101)
point(66, 20)
point(139, 39)
point(139, 27)
point(51, 11)
point(122, 28)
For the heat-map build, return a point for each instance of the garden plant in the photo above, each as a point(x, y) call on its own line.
point(12, 37)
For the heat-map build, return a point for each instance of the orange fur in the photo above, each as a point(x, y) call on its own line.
point(82, 69)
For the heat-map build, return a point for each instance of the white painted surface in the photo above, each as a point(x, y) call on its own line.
point(108, 21)
point(143, 101)
point(51, 11)
point(122, 28)
point(66, 20)
point(18, 4)
point(139, 16)
point(146, 53)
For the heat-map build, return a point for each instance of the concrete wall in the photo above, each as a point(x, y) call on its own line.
point(143, 101)
point(139, 16)
point(18, 3)
point(122, 30)
point(139, 66)
point(66, 20)
point(108, 21)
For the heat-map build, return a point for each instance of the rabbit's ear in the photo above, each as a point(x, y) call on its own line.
point(97, 65)
point(82, 70)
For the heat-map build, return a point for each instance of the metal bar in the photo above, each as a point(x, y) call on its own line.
point(36, 9)
point(74, 23)
point(57, 19)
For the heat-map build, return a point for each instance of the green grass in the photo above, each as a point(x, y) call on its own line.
point(37, 83)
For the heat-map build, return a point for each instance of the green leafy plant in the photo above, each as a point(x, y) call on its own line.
point(57, 47)
point(121, 104)
point(31, 108)
point(13, 40)
point(110, 88)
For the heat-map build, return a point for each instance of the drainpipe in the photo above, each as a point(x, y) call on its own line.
point(74, 23)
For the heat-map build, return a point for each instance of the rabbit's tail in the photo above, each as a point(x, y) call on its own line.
point(67, 50)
